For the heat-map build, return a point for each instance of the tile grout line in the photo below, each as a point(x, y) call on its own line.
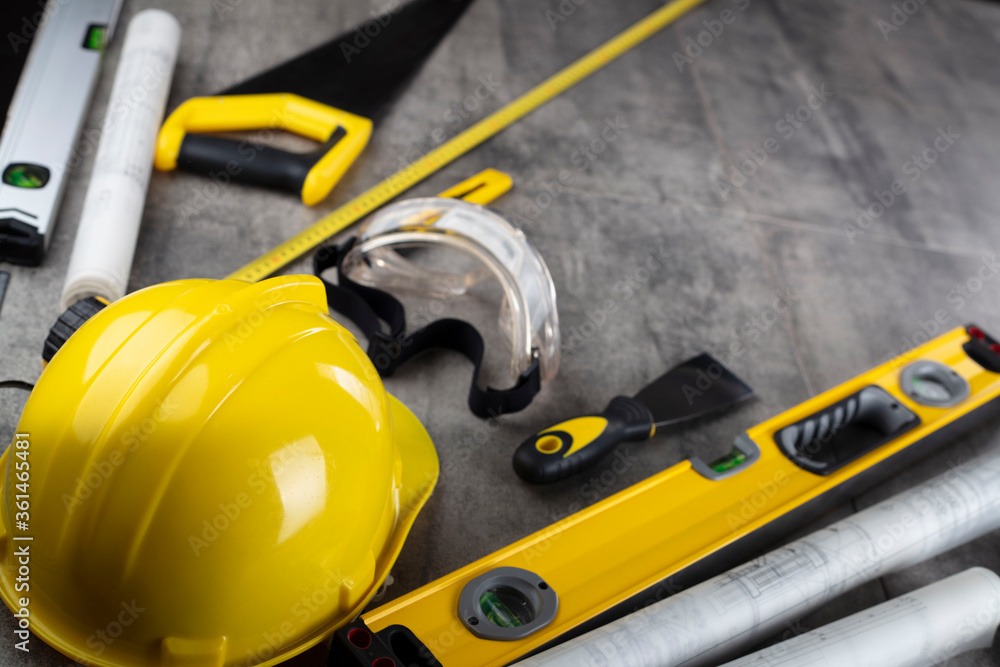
point(765, 263)
point(791, 54)
point(777, 221)
point(881, 240)
point(612, 196)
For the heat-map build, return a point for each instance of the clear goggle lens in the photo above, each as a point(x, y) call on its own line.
point(453, 251)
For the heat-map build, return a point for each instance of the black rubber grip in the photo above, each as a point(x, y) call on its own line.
point(541, 459)
point(20, 243)
point(231, 160)
point(833, 437)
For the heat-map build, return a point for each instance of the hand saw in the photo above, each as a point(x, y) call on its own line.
point(452, 149)
point(333, 94)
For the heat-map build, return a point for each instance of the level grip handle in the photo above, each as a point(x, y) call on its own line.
point(244, 162)
point(567, 448)
point(850, 428)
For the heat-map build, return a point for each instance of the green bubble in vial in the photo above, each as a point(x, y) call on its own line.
point(95, 38)
point(497, 612)
point(23, 177)
point(728, 462)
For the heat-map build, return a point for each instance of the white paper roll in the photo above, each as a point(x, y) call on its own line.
point(717, 619)
point(109, 225)
point(921, 629)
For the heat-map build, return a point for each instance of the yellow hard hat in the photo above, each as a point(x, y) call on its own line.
point(214, 475)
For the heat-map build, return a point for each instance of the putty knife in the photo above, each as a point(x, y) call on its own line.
point(696, 387)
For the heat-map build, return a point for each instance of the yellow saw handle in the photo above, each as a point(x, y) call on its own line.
point(185, 142)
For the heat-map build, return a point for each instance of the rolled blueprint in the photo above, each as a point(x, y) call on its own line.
point(717, 619)
point(924, 628)
point(109, 225)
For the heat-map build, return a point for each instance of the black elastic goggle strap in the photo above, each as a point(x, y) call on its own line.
point(368, 307)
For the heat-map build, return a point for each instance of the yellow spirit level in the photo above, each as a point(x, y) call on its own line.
point(690, 521)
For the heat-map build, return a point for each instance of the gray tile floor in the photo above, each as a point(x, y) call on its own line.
point(790, 230)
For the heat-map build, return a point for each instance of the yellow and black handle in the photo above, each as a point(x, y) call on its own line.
point(566, 448)
point(185, 141)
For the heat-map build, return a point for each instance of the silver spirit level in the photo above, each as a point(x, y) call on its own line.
point(38, 144)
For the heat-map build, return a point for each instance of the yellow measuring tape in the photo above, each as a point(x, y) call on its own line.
point(454, 148)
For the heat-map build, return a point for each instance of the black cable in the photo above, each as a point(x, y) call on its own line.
point(16, 384)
